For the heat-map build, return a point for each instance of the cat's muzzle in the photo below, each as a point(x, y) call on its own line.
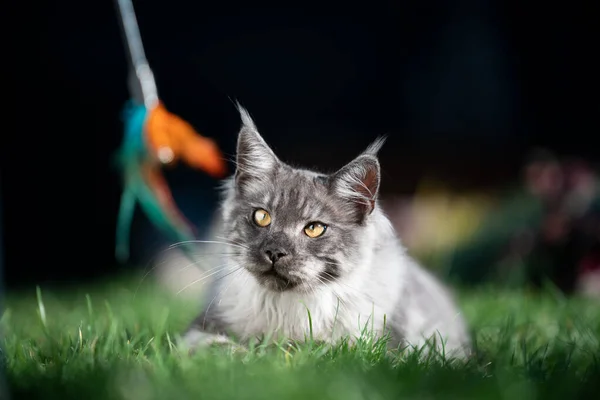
point(277, 278)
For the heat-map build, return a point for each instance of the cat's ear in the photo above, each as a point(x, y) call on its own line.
point(254, 158)
point(358, 182)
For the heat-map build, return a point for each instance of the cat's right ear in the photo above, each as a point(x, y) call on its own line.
point(358, 181)
point(254, 158)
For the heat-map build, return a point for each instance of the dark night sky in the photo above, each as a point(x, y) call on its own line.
point(464, 92)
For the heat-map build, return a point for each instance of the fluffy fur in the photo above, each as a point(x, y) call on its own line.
point(355, 276)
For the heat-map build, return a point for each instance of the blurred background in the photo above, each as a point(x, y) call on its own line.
point(490, 172)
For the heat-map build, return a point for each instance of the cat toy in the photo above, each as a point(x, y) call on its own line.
point(154, 138)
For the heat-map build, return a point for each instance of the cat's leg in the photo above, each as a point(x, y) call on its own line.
point(195, 338)
point(208, 330)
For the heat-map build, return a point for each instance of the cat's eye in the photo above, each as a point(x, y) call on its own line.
point(315, 229)
point(262, 217)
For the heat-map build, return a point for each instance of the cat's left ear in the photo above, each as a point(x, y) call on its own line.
point(358, 182)
point(254, 158)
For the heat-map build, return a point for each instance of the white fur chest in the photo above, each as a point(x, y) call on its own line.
point(328, 313)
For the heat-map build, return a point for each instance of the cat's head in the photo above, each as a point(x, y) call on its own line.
point(299, 228)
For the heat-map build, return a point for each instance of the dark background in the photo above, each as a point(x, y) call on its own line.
point(464, 90)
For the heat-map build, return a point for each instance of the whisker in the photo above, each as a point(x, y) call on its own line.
point(197, 262)
point(221, 267)
point(203, 278)
point(148, 271)
point(178, 244)
point(219, 294)
point(334, 280)
point(335, 293)
point(232, 241)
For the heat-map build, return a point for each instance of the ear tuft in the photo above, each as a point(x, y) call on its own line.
point(247, 121)
point(254, 158)
point(374, 147)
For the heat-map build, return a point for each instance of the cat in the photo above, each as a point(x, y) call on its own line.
point(293, 241)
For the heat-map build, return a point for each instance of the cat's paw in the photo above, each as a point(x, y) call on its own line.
point(196, 339)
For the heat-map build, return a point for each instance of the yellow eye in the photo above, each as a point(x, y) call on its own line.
point(262, 218)
point(315, 229)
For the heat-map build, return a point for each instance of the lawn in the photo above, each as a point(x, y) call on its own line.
point(115, 340)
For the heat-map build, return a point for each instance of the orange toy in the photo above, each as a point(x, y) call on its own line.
point(154, 137)
point(173, 139)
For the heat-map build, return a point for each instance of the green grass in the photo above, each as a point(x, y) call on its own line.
point(111, 342)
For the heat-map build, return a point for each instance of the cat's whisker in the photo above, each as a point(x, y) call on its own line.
point(220, 293)
point(340, 298)
point(310, 288)
point(148, 271)
point(231, 240)
point(222, 266)
point(314, 289)
point(341, 301)
point(195, 257)
point(228, 286)
point(174, 246)
point(246, 280)
point(200, 279)
point(333, 280)
point(204, 277)
point(197, 241)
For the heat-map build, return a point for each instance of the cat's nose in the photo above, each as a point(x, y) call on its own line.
point(274, 255)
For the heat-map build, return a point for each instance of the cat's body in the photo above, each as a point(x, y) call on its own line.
point(302, 242)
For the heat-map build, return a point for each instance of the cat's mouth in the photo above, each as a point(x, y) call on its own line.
point(276, 281)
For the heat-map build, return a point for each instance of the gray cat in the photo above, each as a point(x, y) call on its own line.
point(302, 241)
